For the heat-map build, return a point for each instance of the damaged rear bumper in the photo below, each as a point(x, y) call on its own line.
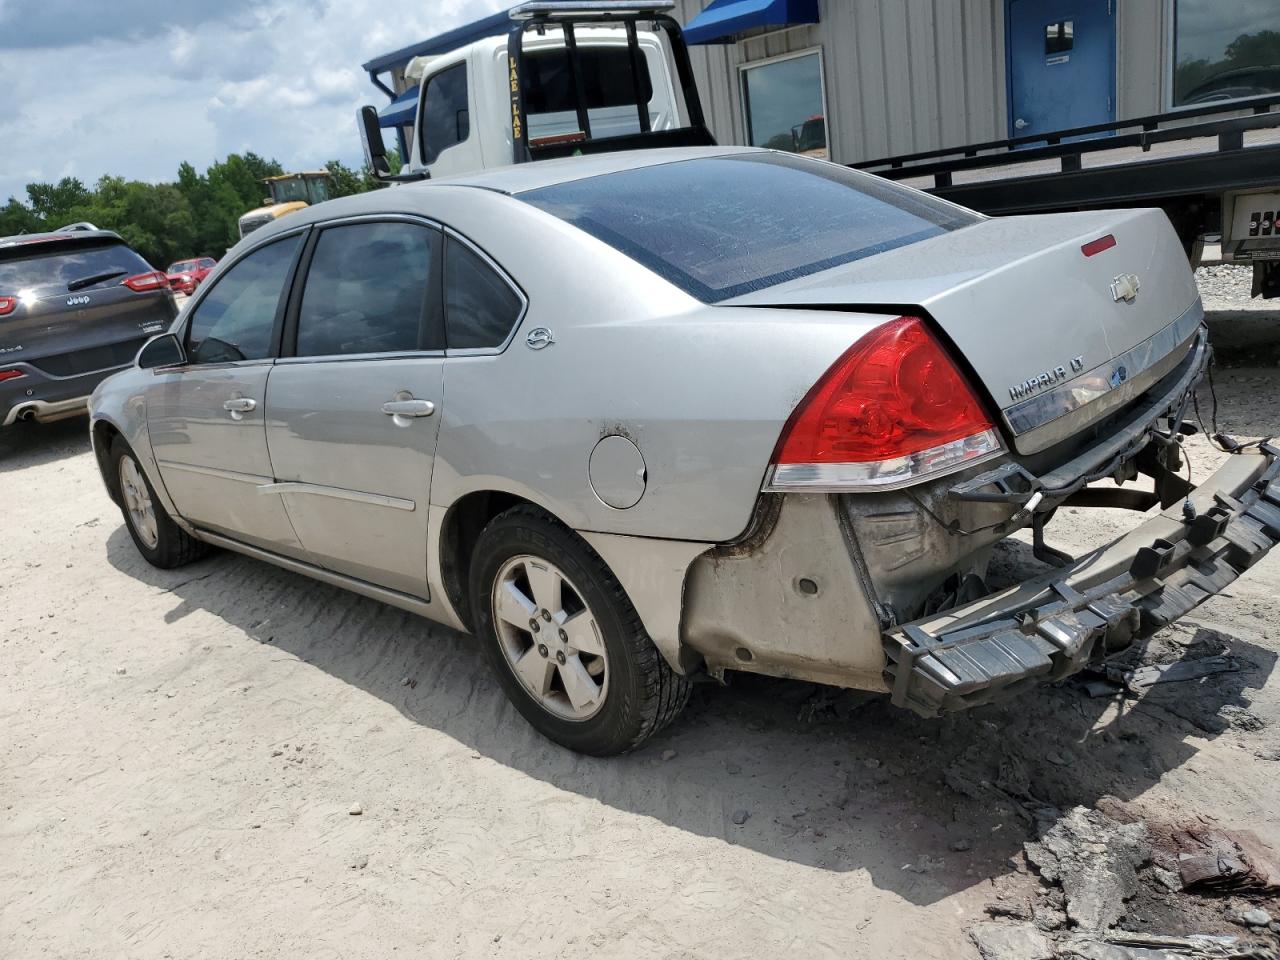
point(1053, 626)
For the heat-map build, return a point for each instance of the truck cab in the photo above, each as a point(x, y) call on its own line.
point(567, 78)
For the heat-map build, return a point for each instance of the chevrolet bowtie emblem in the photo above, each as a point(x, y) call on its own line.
point(1125, 287)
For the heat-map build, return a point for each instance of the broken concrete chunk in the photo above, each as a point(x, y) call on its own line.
point(1006, 941)
point(1095, 860)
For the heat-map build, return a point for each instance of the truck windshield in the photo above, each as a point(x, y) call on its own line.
point(719, 227)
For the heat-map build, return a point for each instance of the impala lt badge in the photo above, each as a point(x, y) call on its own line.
point(1125, 287)
point(1031, 385)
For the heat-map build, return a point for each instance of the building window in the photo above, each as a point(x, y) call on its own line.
point(1224, 50)
point(784, 105)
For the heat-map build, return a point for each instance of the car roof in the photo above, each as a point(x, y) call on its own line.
point(76, 236)
point(519, 177)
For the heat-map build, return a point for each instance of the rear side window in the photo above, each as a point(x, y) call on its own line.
point(481, 309)
point(41, 269)
point(719, 227)
point(366, 290)
point(236, 320)
point(446, 119)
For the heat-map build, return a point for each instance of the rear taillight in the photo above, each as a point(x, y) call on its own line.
point(893, 409)
point(10, 375)
point(8, 305)
point(143, 282)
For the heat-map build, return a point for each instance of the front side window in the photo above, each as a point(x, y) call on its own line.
point(1224, 50)
point(446, 119)
point(719, 227)
point(480, 307)
point(784, 107)
point(236, 320)
point(366, 290)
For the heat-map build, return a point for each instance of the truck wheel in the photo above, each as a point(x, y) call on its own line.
point(161, 542)
point(563, 639)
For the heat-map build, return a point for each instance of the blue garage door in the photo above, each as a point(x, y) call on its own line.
point(1062, 64)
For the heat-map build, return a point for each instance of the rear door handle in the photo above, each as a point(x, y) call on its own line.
point(239, 406)
point(408, 408)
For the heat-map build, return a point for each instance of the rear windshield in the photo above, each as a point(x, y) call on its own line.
point(181, 265)
point(719, 227)
point(605, 73)
point(47, 268)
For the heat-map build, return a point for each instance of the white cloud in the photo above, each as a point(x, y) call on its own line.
point(87, 96)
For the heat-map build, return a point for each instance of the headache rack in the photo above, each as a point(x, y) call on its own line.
point(567, 15)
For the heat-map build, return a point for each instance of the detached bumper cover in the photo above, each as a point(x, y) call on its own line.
point(1051, 627)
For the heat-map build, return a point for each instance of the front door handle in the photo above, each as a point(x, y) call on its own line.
point(239, 406)
point(408, 408)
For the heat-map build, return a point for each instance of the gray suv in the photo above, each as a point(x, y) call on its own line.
point(75, 307)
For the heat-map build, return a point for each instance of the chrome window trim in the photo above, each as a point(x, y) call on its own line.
point(510, 282)
point(221, 365)
point(1044, 408)
point(354, 357)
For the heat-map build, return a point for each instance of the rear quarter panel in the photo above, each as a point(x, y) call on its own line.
point(702, 391)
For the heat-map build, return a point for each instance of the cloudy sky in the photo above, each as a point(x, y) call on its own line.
point(134, 87)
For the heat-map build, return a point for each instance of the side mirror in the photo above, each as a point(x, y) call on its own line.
point(162, 351)
point(375, 151)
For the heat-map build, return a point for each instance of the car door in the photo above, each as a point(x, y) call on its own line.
point(353, 412)
point(206, 417)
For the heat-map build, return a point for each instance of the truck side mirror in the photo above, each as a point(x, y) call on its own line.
point(375, 151)
point(162, 351)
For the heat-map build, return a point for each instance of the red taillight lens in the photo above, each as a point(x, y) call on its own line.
point(895, 407)
point(8, 305)
point(146, 281)
point(10, 375)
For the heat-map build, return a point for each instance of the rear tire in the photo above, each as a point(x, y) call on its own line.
point(564, 641)
point(161, 542)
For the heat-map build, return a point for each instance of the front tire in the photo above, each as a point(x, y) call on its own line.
point(161, 542)
point(563, 639)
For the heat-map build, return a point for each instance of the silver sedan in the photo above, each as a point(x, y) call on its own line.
point(638, 418)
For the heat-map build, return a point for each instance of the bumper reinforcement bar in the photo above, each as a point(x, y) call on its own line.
point(1055, 625)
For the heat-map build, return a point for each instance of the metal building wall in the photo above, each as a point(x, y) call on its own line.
point(901, 76)
point(909, 75)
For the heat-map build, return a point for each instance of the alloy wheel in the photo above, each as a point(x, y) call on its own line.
point(137, 501)
point(550, 637)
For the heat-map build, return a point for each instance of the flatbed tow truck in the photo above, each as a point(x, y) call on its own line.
point(588, 76)
point(1213, 170)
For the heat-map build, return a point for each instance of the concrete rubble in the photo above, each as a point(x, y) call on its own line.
point(1095, 861)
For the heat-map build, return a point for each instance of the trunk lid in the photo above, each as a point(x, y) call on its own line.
point(1056, 339)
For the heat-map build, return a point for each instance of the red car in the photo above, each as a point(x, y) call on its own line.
point(185, 275)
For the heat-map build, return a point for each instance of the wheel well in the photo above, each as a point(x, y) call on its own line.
point(104, 435)
point(462, 526)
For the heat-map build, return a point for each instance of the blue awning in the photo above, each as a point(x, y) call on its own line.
point(723, 19)
point(400, 110)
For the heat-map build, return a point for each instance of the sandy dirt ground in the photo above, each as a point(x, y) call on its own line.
point(181, 753)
